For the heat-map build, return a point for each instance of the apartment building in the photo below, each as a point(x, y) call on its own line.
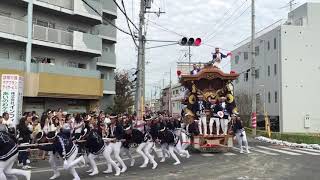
point(177, 96)
point(287, 70)
point(73, 52)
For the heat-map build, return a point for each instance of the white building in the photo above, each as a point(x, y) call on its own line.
point(287, 70)
point(176, 98)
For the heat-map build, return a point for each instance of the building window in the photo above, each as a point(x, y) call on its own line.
point(258, 98)
point(256, 50)
point(44, 23)
point(276, 97)
point(236, 60)
point(246, 76)
point(102, 76)
point(82, 66)
point(268, 70)
point(245, 56)
point(268, 45)
point(275, 43)
point(76, 65)
point(269, 97)
point(257, 73)
point(275, 69)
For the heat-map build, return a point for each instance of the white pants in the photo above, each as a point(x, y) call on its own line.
point(185, 140)
point(6, 169)
point(224, 125)
point(203, 121)
point(180, 149)
point(107, 155)
point(71, 162)
point(144, 150)
point(115, 149)
point(242, 139)
point(53, 162)
point(217, 121)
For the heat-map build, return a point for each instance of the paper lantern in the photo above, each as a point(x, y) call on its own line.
point(178, 72)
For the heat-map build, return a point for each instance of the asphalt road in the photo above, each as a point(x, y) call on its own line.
point(264, 162)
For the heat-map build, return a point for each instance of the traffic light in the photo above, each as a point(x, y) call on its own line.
point(190, 42)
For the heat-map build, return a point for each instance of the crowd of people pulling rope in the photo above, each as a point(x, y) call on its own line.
point(80, 138)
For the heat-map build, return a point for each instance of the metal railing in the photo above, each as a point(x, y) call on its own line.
point(109, 58)
point(109, 5)
point(68, 4)
point(13, 26)
point(52, 35)
point(109, 85)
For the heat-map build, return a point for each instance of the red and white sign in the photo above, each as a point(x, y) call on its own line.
point(254, 120)
point(12, 96)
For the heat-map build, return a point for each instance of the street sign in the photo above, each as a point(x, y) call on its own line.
point(12, 96)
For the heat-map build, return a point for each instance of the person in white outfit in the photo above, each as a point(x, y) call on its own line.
point(8, 155)
point(240, 133)
point(215, 118)
point(226, 116)
point(203, 117)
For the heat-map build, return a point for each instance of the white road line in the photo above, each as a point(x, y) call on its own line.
point(312, 150)
point(264, 152)
point(229, 154)
point(300, 151)
point(280, 151)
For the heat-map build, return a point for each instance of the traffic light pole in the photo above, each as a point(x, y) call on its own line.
point(189, 54)
point(139, 97)
point(253, 71)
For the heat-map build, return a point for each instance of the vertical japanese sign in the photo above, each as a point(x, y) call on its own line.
point(12, 96)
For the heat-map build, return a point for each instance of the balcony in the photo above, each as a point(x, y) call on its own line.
point(106, 32)
point(56, 81)
point(52, 35)
point(76, 8)
point(109, 86)
point(87, 43)
point(107, 59)
point(109, 7)
point(16, 30)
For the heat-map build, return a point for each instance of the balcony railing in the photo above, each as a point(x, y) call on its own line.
point(109, 6)
point(68, 4)
point(108, 58)
point(52, 35)
point(68, 71)
point(106, 31)
point(13, 26)
point(12, 64)
point(109, 85)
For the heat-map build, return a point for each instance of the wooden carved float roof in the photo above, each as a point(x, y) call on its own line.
point(209, 73)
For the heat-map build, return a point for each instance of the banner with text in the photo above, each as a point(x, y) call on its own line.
point(12, 96)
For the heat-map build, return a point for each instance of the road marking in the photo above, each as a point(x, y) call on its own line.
point(207, 155)
point(265, 152)
point(312, 150)
point(280, 151)
point(300, 151)
point(229, 154)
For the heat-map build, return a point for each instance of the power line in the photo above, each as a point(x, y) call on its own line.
point(162, 45)
point(125, 32)
point(231, 15)
point(231, 22)
point(125, 13)
point(165, 29)
point(221, 19)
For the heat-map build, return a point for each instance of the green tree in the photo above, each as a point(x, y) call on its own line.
point(123, 99)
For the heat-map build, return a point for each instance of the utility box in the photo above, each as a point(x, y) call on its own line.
point(307, 121)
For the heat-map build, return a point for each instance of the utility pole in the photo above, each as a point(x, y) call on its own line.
point(170, 94)
point(253, 70)
point(189, 54)
point(291, 4)
point(29, 37)
point(139, 98)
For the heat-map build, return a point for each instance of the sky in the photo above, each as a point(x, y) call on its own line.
point(219, 23)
